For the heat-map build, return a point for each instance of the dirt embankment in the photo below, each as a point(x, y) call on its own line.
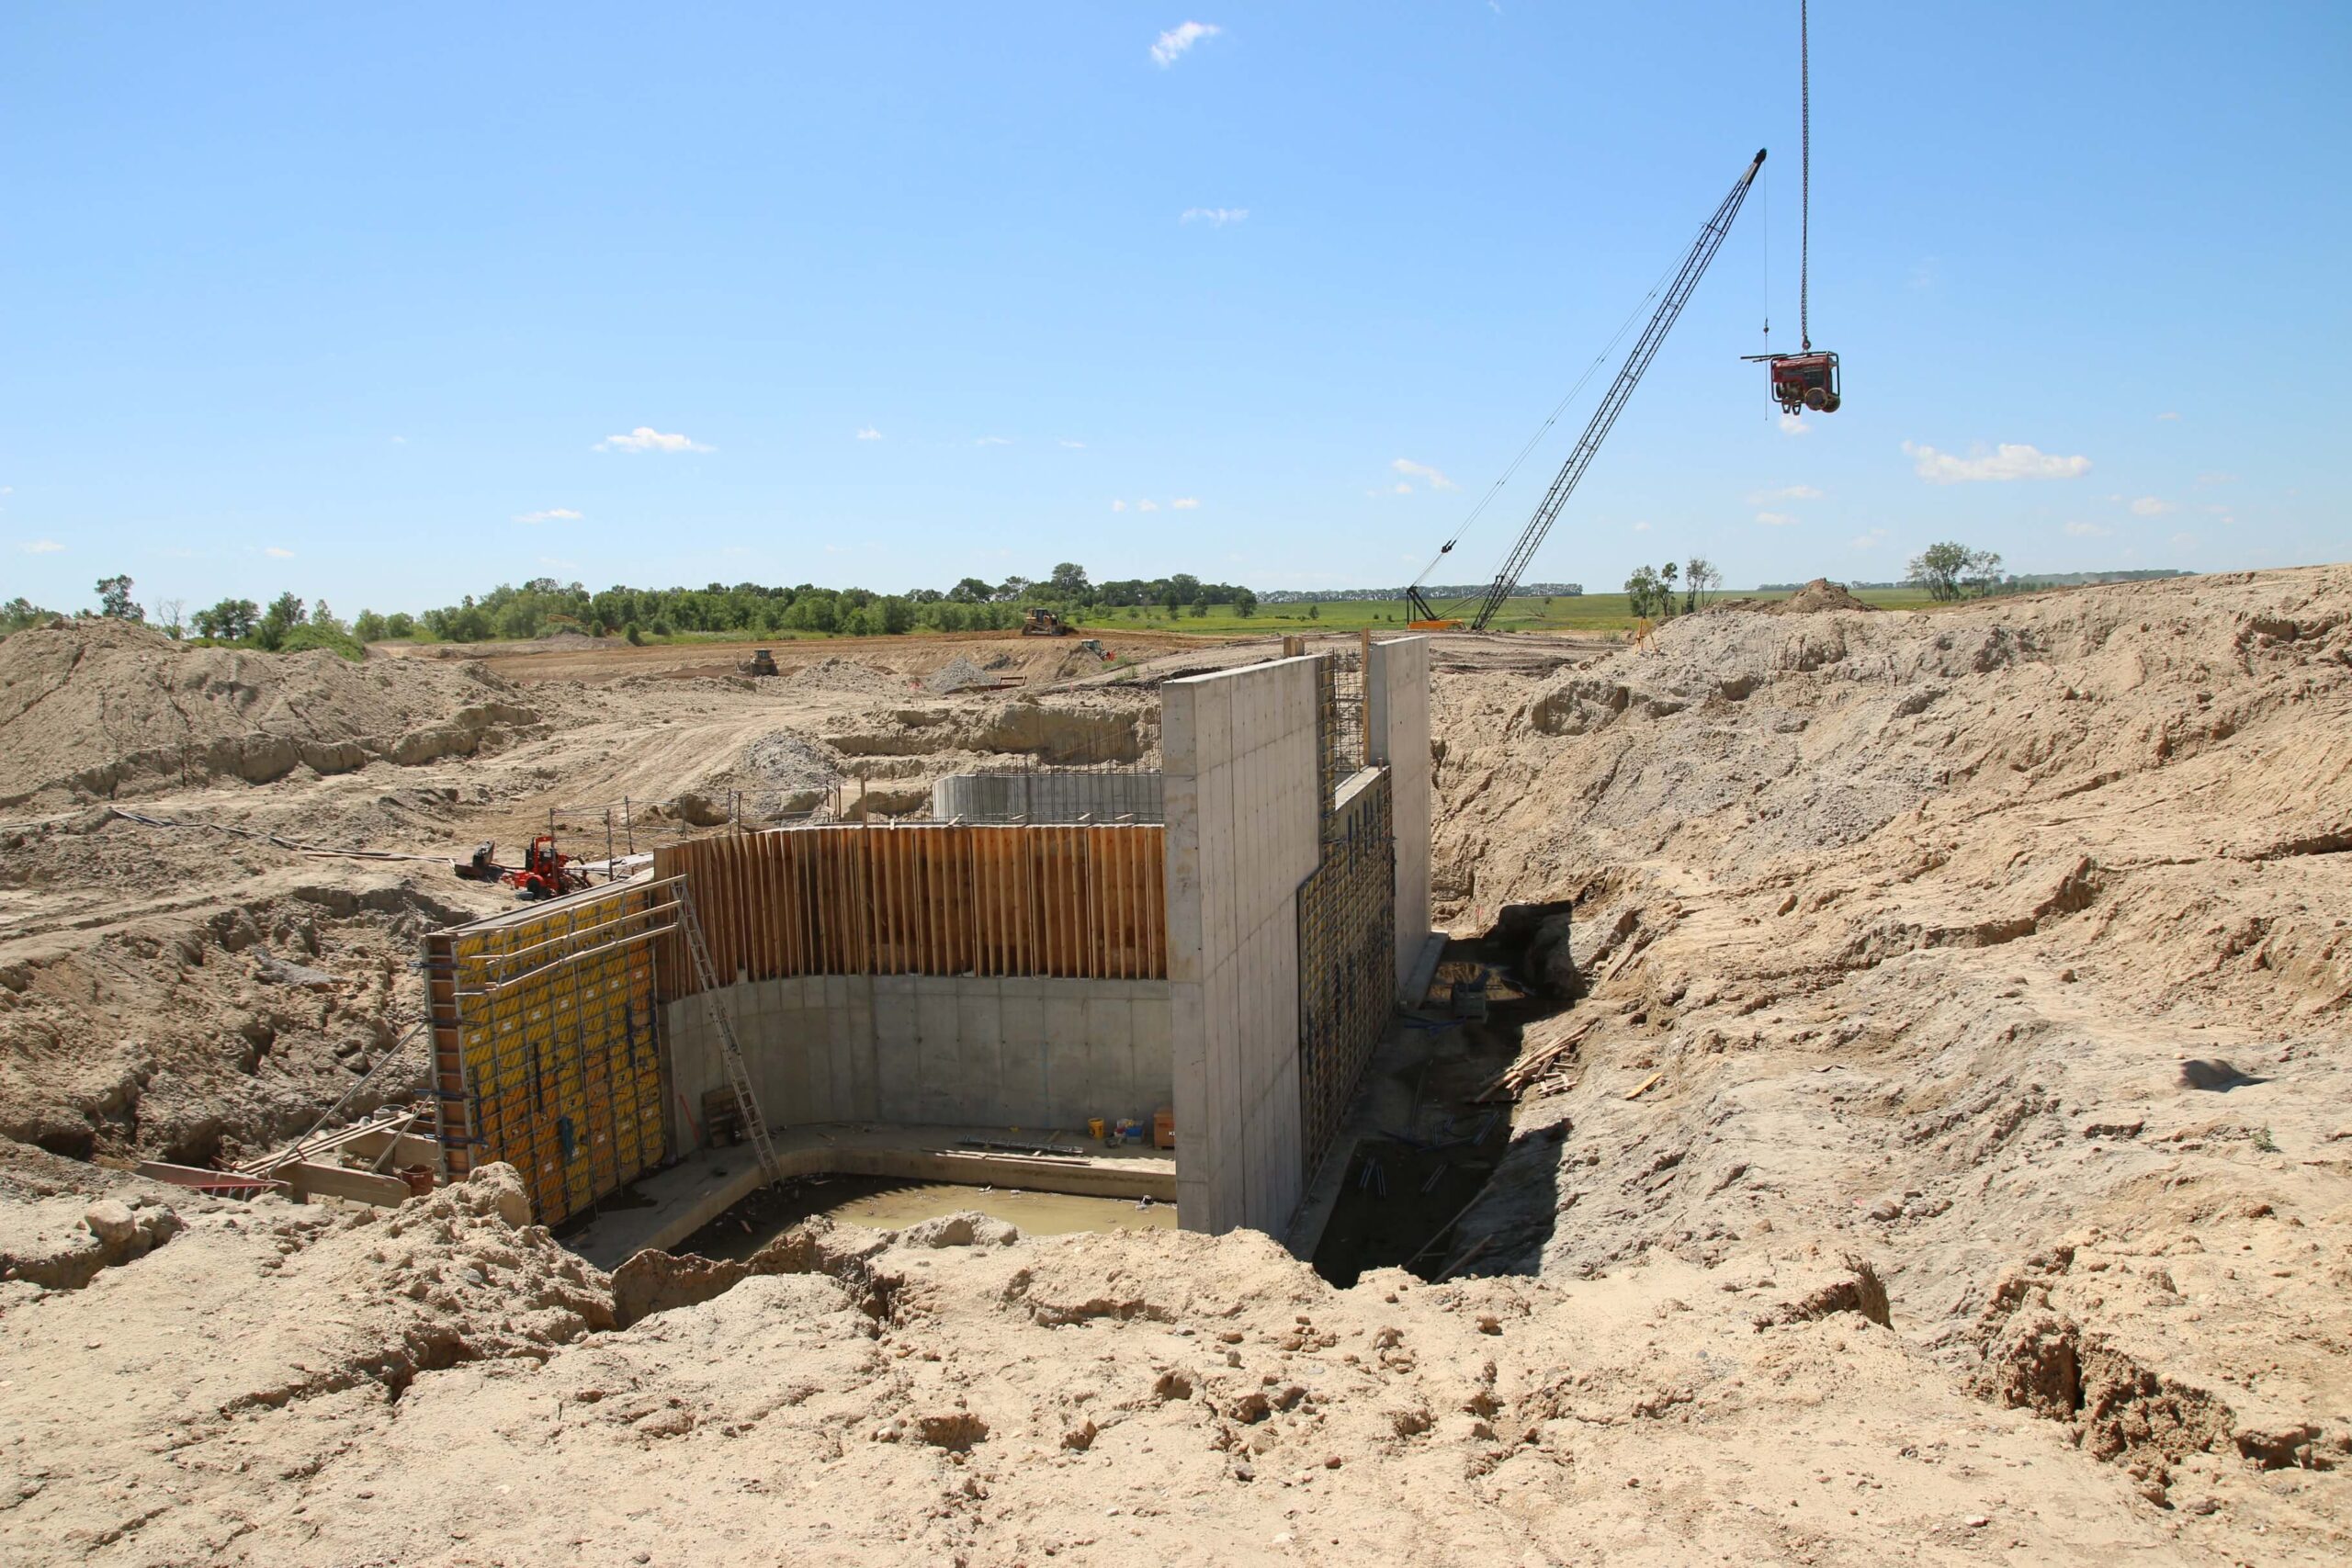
point(438, 1385)
point(1929, 929)
point(102, 710)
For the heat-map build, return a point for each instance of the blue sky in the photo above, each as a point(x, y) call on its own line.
point(353, 300)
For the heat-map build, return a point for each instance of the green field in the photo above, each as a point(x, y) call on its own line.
point(1594, 614)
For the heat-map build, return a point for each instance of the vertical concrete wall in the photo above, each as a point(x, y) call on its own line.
point(1397, 735)
point(1240, 769)
point(965, 1051)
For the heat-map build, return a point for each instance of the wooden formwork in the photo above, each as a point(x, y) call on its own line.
point(1082, 902)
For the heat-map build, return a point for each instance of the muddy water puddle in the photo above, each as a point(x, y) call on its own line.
point(880, 1203)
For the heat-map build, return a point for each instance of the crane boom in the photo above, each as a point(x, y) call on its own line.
point(1612, 403)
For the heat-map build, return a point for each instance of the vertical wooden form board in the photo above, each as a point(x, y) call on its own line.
point(550, 1018)
point(1080, 902)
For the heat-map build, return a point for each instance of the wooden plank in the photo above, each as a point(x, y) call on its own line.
point(968, 843)
point(788, 917)
point(762, 908)
point(1067, 909)
point(407, 1148)
point(309, 1181)
point(889, 902)
point(1123, 903)
point(1096, 942)
point(804, 850)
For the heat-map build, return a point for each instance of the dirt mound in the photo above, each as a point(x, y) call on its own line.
point(836, 674)
point(282, 1384)
point(955, 675)
point(1816, 596)
point(795, 770)
point(102, 709)
point(1909, 922)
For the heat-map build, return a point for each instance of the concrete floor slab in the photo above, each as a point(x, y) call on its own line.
point(696, 1190)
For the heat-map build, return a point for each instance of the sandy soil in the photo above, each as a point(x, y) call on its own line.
point(1881, 1196)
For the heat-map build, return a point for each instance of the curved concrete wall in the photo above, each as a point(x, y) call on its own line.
point(926, 1050)
point(1048, 797)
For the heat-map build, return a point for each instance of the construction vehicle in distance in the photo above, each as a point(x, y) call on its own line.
point(1422, 616)
point(1038, 621)
point(762, 662)
point(546, 871)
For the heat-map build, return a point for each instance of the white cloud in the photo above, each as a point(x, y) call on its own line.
point(1177, 40)
point(1642, 527)
point(1792, 426)
point(2211, 476)
point(1869, 541)
point(400, 440)
point(552, 514)
point(1147, 506)
point(1217, 217)
point(2009, 460)
point(1411, 469)
point(1118, 506)
point(41, 546)
point(993, 441)
point(1185, 504)
point(278, 552)
point(2088, 530)
point(2149, 506)
point(1774, 519)
point(1786, 492)
point(555, 565)
point(2168, 416)
point(1400, 488)
point(645, 438)
point(867, 432)
point(1073, 446)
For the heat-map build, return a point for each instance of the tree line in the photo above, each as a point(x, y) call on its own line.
point(544, 604)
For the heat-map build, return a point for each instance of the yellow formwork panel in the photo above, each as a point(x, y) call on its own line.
point(562, 1068)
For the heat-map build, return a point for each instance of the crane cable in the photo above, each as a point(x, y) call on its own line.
point(1550, 420)
point(1805, 160)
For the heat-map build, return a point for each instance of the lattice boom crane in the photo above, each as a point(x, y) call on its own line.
point(1612, 403)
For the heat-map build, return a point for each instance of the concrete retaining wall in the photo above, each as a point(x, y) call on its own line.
point(1397, 735)
point(905, 1049)
point(1048, 797)
point(1240, 748)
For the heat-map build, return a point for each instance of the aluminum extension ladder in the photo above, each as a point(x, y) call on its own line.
point(737, 1076)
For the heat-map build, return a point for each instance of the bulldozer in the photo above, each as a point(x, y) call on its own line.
point(1038, 621)
point(762, 662)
